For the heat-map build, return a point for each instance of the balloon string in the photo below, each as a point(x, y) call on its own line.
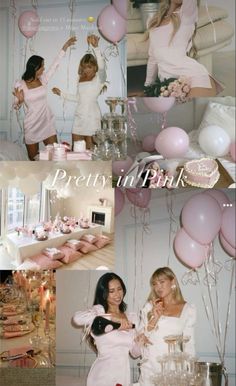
point(211, 21)
point(209, 290)
point(207, 313)
point(172, 223)
point(123, 73)
point(25, 51)
point(214, 264)
point(13, 13)
point(164, 120)
point(228, 308)
point(134, 210)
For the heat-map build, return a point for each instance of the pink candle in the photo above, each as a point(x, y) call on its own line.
point(47, 313)
point(41, 293)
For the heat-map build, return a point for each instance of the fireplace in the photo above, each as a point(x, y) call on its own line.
point(102, 215)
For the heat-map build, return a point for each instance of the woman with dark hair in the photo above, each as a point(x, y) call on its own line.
point(112, 364)
point(165, 313)
point(39, 125)
point(91, 82)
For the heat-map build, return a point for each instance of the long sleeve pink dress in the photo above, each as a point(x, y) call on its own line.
point(39, 122)
point(88, 115)
point(166, 325)
point(168, 57)
point(113, 348)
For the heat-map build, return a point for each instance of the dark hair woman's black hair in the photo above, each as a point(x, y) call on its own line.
point(102, 291)
point(33, 64)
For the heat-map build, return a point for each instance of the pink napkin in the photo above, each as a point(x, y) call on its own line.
point(13, 328)
point(11, 322)
point(19, 350)
point(12, 334)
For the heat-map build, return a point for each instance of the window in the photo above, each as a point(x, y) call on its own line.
point(15, 209)
point(22, 210)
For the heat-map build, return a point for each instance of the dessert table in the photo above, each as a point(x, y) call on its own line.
point(22, 247)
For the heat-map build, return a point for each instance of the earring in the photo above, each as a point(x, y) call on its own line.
point(173, 287)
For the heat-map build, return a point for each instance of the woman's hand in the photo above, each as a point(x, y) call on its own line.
point(56, 91)
point(157, 309)
point(70, 42)
point(93, 40)
point(125, 324)
point(19, 94)
point(142, 340)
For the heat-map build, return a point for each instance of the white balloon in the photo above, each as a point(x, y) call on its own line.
point(214, 141)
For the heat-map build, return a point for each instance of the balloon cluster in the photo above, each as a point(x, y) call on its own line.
point(139, 197)
point(112, 21)
point(203, 217)
point(215, 141)
point(173, 142)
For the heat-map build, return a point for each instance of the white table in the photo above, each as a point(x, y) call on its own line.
point(22, 247)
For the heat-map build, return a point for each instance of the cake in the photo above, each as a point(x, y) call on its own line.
point(201, 173)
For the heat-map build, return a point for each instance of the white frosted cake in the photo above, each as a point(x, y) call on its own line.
point(201, 173)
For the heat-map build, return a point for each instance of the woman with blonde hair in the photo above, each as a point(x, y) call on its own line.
point(165, 313)
point(171, 33)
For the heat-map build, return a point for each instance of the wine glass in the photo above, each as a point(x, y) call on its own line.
point(36, 317)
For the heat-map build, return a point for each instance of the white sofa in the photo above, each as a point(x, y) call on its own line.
point(137, 48)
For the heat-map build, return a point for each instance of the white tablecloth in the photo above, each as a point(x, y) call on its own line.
point(22, 247)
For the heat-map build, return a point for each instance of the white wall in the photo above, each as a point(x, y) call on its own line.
point(47, 43)
point(135, 262)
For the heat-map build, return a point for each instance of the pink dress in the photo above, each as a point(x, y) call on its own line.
point(39, 122)
point(112, 363)
point(168, 58)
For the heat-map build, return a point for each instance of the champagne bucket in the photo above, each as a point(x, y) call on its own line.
point(148, 10)
point(212, 373)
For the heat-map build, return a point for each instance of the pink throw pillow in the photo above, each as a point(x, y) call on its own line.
point(87, 247)
point(53, 253)
point(72, 257)
point(89, 238)
point(73, 244)
point(45, 263)
point(102, 241)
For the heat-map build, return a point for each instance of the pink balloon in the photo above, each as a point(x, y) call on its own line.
point(219, 196)
point(119, 201)
point(172, 142)
point(140, 198)
point(228, 225)
point(188, 250)
point(28, 23)
point(148, 142)
point(159, 104)
point(121, 7)
point(226, 246)
point(201, 218)
point(120, 168)
point(111, 25)
point(232, 151)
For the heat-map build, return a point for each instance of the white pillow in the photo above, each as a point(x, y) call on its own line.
point(219, 115)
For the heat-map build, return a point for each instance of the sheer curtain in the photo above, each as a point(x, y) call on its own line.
point(45, 209)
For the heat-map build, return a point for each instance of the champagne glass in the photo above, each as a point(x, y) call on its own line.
point(36, 317)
